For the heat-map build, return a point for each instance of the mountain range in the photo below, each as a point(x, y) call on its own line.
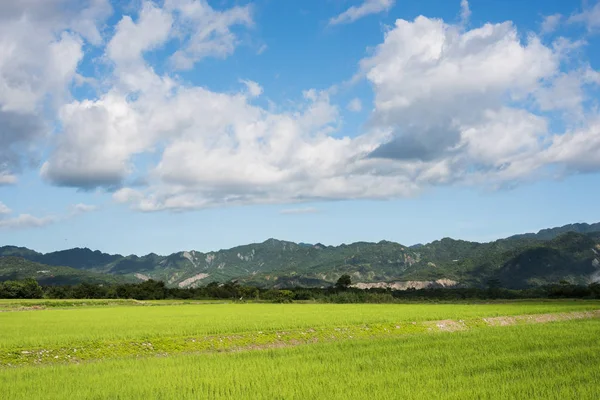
point(568, 253)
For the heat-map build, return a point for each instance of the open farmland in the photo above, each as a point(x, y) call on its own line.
point(172, 351)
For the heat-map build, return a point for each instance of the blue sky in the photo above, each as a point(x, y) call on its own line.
point(139, 126)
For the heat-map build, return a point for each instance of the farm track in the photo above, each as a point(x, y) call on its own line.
point(259, 340)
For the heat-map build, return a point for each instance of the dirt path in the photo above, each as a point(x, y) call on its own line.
point(449, 325)
point(541, 318)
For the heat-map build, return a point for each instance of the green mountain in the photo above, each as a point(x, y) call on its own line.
point(16, 268)
point(569, 253)
point(573, 257)
point(551, 233)
point(75, 258)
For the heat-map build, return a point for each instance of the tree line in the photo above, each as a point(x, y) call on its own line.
point(341, 292)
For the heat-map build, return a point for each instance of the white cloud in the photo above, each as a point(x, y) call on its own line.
point(4, 209)
point(427, 60)
point(207, 32)
point(129, 43)
point(368, 7)
point(23, 221)
point(100, 136)
point(295, 211)
point(577, 150)
point(7, 179)
point(355, 105)
point(32, 68)
point(502, 135)
point(465, 11)
point(452, 106)
point(590, 17)
point(262, 49)
point(567, 92)
point(126, 195)
point(89, 21)
point(458, 104)
point(254, 89)
point(425, 64)
point(98, 139)
point(41, 45)
point(82, 208)
point(550, 23)
point(132, 39)
point(244, 153)
point(84, 17)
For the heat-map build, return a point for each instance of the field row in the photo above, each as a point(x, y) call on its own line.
point(76, 327)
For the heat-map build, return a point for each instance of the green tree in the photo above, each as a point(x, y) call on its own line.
point(494, 285)
point(25, 289)
point(344, 282)
point(31, 289)
point(595, 289)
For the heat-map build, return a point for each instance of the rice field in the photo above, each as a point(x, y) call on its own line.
point(302, 351)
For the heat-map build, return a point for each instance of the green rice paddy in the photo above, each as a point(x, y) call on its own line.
point(300, 351)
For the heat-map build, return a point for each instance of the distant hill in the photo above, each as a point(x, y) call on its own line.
point(76, 258)
point(571, 253)
point(16, 268)
point(551, 233)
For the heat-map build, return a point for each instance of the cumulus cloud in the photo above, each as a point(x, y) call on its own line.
point(427, 60)
point(132, 39)
point(100, 136)
point(458, 104)
point(4, 209)
point(446, 94)
point(576, 150)
point(41, 45)
point(205, 31)
point(19, 132)
point(550, 23)
point(231, 152)
point(84, 17)
point(7, 179)
point(24, 221)
point(452, 105)
point(368, 7)
point(127, 195)
point(89, 22)
point(254, 89)
point(589, 17)
point(465, 11)
point(567, 92)
point(96, 144)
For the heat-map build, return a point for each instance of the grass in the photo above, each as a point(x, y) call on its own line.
point(53, 328)
point(81, 349)
point(559, 360)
